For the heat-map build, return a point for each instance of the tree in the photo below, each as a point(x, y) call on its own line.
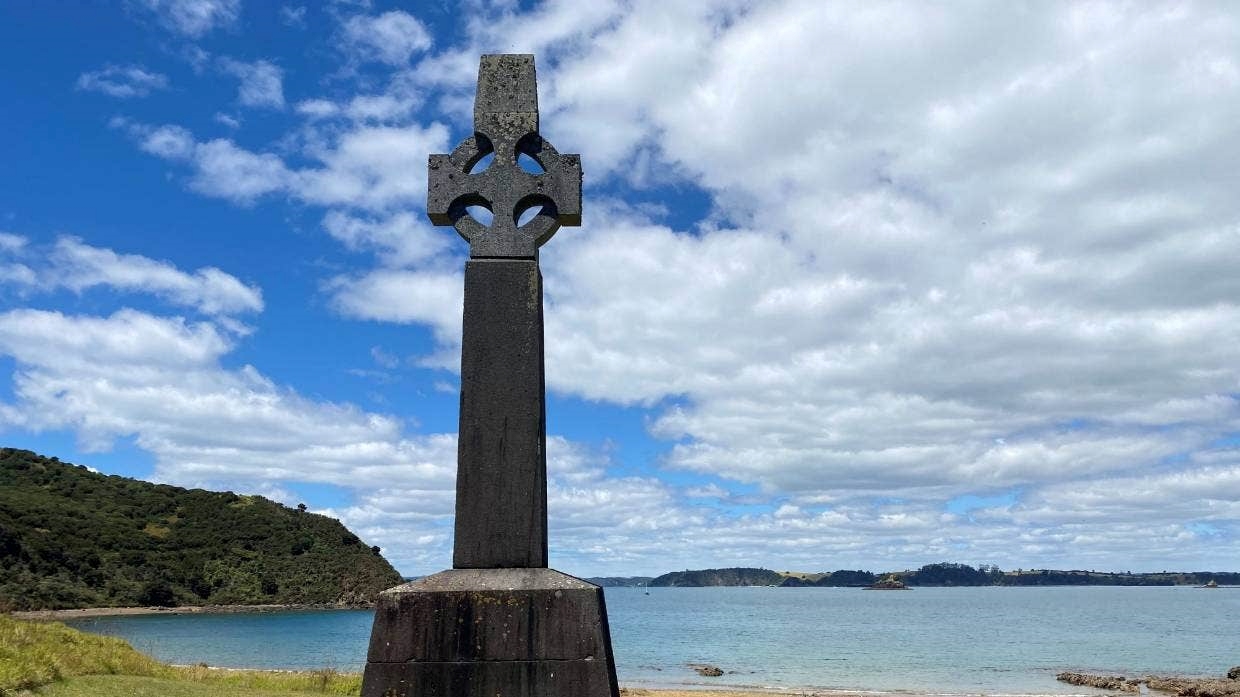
point(157, 592)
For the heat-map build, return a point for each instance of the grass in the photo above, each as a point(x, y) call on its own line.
point(66, 663)
point(34, 654)
point(138, 686)
point(318, 682)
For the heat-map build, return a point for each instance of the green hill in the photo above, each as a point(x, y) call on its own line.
point(72, 538)
point(720, 577)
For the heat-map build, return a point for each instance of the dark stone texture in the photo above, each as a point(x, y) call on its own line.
point(475, 632)
point(506, 124)
point(500, 624)
point(506, 679)
point(501, 480)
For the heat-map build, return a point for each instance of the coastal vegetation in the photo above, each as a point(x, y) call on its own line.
point(63, 662)
point(620, 581)
point(719, 577)
point(931, 575)
point(73, 538)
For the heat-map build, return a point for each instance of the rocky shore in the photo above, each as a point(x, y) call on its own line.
point(1181, 686)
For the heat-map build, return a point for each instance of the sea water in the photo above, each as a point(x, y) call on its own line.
point(930, 640)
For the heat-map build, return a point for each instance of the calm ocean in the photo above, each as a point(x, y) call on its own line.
point(941, 640)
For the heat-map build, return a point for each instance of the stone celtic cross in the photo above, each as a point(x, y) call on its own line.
point(500, 623)
point(506, 125)
point(501, 496)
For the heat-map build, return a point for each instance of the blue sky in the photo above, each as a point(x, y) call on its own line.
point(857, 286)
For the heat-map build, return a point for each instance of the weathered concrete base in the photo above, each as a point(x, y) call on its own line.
point(491, 633)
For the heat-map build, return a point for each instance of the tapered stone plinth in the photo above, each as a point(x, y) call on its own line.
point(491, 633)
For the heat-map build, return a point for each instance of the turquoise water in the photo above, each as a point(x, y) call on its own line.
point(942, 640)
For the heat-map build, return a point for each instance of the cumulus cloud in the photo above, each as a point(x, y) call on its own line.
point(941, 254)
point(393, 107)
point(391, 38)
point(901, 281)
point(909, 285)
point(159, 380)
point(79, 266)
point(401, 239)
point(122, 81)
point(71, 263)
point(192, 18)
point(10, 242)
point(262, 82)
point(406, 296)
point(371, 167)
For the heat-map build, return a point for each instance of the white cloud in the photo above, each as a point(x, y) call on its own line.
point(227, 171)
point(79, 266)
point(434, 298)
point(317, 108)
point(228, 120)
point(159, 380)
point(401, 239)
point(373, 168)
point(122, 81)
point(381, 108)
point(18, 274)
point(392, 37)
point(938, 253)
point(293, 16)
point(172, 142)
point(10, 243)
point(906, 281)
point(262, 82)
point(193, 18)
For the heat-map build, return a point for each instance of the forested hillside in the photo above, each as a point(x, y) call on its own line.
point(72, 538)
point(720, 577)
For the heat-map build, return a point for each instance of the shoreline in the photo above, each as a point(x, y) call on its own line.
point(1094, 685)
point(89, 612)
point(743, 692)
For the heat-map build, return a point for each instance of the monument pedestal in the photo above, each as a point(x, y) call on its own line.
point(528, 632)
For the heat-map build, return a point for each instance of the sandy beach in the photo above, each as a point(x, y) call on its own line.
point(634, 692)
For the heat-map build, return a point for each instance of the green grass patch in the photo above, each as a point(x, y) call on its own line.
point(37, 653)
point(137, 686)
point(319, 682)
point(70, 662)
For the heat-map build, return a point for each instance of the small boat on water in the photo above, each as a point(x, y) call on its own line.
point(1211, 584)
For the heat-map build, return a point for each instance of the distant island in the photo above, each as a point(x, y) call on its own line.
point(931, 575)
point(73, 538)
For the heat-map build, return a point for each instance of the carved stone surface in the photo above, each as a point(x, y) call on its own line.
point(505, 124)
